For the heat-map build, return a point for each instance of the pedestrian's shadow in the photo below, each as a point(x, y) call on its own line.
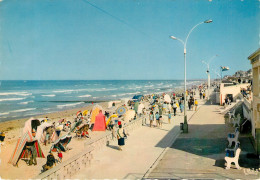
point(113, 147)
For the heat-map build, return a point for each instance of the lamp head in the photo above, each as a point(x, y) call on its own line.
point(208, 21)
point(172, 37)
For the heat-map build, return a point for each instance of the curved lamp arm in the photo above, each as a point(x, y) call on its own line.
point(207, 21)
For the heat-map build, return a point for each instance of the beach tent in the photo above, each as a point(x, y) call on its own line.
point(95, 112)
point(125, 100)
point(20, 152)
point(42, 131)
point(61, 144)
point(130, 114)
point(146, 105)
point(140, 108)
point(136, 106)
point(30, 124)
point(100, 122)
point(109, 119)
point(121, 110)
point(167, 98)
point(109, 104)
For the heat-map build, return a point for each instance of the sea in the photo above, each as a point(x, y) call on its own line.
point(21, 99)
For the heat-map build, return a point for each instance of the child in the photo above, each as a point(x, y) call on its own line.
point(157, 119)
point(160, 122)
point(169, 117)
point(60, 156)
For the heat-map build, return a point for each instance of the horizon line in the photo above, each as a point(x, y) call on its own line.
point(100, 79)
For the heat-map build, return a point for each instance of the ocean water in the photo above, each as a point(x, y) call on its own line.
point(19, 99)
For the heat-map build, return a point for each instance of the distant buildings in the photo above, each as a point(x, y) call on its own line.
point(240, 77)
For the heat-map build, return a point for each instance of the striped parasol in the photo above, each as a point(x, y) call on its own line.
point(121, 110)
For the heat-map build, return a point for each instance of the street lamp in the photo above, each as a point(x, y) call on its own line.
point(185, 125)
point(208, 72)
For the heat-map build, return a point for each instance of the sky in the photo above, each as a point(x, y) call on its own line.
point(124, 39)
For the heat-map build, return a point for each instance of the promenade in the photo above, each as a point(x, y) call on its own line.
point(142, 149)
point(200, 153)
point(167, 153)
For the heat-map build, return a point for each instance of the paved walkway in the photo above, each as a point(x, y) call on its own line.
point(142, 149)
point(200, 153)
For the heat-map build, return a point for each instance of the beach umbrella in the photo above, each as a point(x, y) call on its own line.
point(75, 125)
point(85, 112)
point(130, 114)
point(79, 113)
point(112, 116)
point(121, 110)
point(61, 143)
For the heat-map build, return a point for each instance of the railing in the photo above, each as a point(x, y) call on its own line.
point(70, 167)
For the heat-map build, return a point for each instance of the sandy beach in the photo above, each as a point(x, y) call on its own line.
point(13, 130)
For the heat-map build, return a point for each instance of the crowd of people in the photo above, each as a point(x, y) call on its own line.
point(156, 106)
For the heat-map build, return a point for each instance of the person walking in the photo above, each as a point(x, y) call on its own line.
point(204, 95)
point(174, 106)
point(160, 121)
point(157, 116)
point(120, 136)
point(200, 94)
point(169, 117)
point(189, 104)
point(196, 104)
point(181, 107)
point(151, 117)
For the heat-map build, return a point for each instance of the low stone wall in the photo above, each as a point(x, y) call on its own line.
point(70, 167)
point(108, 136)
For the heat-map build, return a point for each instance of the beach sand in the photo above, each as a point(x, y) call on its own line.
point(13, 130)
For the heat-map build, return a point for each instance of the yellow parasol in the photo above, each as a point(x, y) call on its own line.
point(112, 116)
point(85, 112)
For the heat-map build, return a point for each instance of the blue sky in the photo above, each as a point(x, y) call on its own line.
point(129, 39)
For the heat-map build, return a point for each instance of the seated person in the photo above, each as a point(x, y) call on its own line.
point(50, 162)
point(2, 137)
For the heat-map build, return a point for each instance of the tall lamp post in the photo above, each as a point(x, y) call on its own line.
point(209, 72)
point(185, 125)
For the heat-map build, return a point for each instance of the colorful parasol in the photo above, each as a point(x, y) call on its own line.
point(112, 116)
point(78, 113)
point(121, 110)
point(85, 112)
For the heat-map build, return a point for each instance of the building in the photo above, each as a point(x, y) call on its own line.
point(255, 61)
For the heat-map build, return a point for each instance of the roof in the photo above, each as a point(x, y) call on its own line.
point(257, 52)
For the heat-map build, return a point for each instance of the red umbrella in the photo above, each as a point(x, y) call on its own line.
point(78, 113)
